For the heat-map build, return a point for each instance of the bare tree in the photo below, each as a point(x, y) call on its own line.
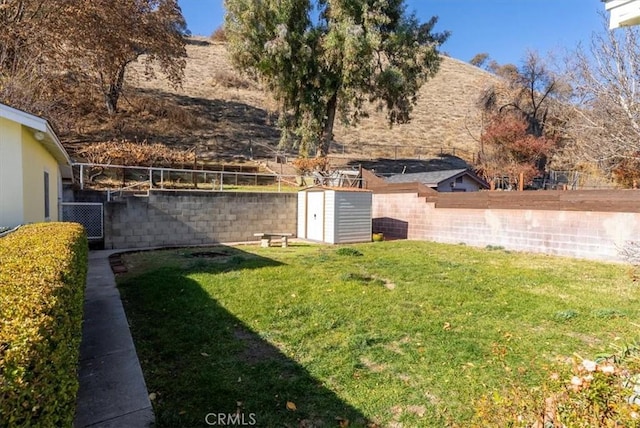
point(606, 78)
point(93, 41)
point(29, 40)
point(528, 90)
point(479, 60)
point(110, 34)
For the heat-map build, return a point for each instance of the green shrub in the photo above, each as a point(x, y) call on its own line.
point(43, 269)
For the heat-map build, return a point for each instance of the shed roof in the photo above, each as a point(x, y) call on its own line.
point(334, 188)
point(43, 133)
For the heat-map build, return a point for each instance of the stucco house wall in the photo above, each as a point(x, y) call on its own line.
point(11, 188)
point(37, 166)
point(33, 165)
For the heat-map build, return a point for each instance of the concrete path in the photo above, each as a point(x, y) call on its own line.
point(112, 389)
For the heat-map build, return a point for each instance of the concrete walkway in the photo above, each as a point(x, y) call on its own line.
point(112, 389)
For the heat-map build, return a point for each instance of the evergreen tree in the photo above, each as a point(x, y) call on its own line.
point(327, 58)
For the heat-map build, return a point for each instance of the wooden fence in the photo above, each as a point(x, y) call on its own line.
point(553, 200)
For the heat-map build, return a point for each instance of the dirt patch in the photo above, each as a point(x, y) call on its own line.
point(207, 254)
point(396, 346)
point(372, 365)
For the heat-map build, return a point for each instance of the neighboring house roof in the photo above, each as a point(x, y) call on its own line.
point(43, 133)
point(433, 178)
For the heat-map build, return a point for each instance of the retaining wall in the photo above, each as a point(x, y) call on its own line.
point(597, 235)
point(167, 218)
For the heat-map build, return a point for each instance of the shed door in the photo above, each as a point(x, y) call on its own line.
point(315, 216)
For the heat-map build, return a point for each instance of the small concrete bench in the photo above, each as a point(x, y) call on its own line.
point(265, 238)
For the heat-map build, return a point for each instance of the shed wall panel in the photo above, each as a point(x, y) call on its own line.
point(302, 215)
point(353, 217)
point(330, 216)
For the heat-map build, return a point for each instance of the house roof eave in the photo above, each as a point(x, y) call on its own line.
point(49, 139)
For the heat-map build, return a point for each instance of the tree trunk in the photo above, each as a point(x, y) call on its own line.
point(327, 132)
point(112, 95)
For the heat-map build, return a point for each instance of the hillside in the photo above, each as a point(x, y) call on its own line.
point(226, 114)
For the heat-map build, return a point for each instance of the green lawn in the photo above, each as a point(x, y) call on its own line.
point(409, 333)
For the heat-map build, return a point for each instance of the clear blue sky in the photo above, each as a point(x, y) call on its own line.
point(505, 29)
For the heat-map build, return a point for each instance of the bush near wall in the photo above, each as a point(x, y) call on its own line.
point(604, 392)
point(43, 269)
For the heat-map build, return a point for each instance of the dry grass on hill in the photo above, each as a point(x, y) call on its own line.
point(227, 114)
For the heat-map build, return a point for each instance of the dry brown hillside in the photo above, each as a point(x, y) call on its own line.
point(224, 113)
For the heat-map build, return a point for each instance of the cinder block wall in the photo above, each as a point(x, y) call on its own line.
point(581, 234)
point(195, 218)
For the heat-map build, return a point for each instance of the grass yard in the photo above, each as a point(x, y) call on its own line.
point(386, 334)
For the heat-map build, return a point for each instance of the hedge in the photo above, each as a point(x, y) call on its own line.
point(43, 269)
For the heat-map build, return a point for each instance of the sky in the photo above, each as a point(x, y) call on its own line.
point(504, 29)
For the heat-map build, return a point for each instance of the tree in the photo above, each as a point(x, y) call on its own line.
point(531, 93)
point(110, 34)
point(29, 41)
point(330, 64)
point(510, 149)
point(91, 40)
point(479, 60)
point(606, 80)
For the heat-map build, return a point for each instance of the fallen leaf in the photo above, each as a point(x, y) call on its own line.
point(291, 406)
point(152, 396)
point(204, 354)
point(447, 326)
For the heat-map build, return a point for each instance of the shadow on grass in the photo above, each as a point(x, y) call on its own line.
point(203, 364)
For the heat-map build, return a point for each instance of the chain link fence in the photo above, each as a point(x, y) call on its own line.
point(88, 214)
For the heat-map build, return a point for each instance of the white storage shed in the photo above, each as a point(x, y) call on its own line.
point(335, 215)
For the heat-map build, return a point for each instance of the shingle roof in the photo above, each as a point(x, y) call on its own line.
point(433, 178)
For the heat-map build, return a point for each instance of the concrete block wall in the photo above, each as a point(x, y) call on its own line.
point(581, 234)
point(195, 218)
